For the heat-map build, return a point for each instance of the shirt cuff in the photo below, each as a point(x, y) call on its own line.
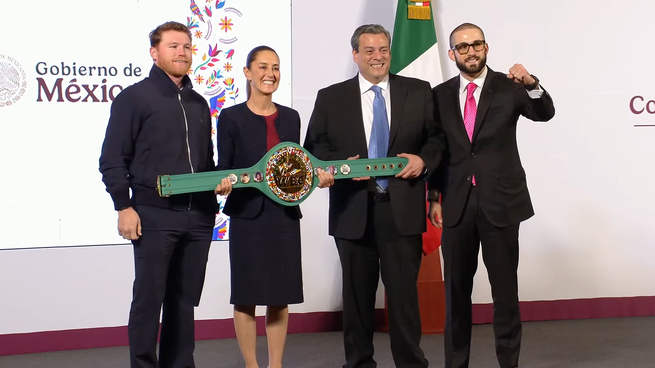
point(536, 93)
point(424, 175)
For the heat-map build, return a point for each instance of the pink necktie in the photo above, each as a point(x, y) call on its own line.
point(470, 111)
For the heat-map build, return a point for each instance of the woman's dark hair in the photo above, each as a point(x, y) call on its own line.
point(252, 55)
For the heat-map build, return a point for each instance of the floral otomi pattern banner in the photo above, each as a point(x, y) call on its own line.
point(215, 29)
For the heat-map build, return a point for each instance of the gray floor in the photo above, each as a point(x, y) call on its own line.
point(597, 343)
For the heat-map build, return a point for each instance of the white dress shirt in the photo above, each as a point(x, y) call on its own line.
point(479, 81)
point(367, 103)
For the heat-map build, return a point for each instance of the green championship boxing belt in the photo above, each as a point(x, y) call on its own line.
point(287, 174)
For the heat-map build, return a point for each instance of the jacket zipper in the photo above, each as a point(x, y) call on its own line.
point(188, 147)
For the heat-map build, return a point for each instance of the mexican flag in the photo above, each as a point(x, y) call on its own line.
point(414, 42)
point(414, 54)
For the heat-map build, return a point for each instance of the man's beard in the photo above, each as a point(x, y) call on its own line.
point(175, 70)
point(473, 69)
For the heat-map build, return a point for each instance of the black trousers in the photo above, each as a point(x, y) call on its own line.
point(399, 259)
point(500, 253)
point(170, 260)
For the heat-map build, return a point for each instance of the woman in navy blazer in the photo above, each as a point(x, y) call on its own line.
point(265, 251)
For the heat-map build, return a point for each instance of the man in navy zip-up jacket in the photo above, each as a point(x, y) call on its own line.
point(161, 126)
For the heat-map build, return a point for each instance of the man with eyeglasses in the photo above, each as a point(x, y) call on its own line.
point(483, 189)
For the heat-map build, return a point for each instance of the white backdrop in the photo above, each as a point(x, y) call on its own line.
point(588, 168)
point(50, 138)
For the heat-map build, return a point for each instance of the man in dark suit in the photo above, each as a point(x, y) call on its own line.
point(483, 189)
point(377, 222)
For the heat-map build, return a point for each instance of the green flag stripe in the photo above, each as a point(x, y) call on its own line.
point(411, 38)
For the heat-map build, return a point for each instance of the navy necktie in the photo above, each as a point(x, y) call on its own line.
point(379, 142)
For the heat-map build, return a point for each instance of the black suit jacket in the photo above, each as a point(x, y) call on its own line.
point(241, 140)
point(336, 132)
point(493, 156)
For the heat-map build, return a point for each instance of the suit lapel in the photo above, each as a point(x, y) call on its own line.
point(352, 101)
point(282, 127)
point(458, 120)
point(486, 96)
point(398, 96)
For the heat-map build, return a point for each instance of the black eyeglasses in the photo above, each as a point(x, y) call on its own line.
point(463, 48)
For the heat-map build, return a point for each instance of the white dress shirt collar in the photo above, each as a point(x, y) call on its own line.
point(479, 81)
point(365, 86)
